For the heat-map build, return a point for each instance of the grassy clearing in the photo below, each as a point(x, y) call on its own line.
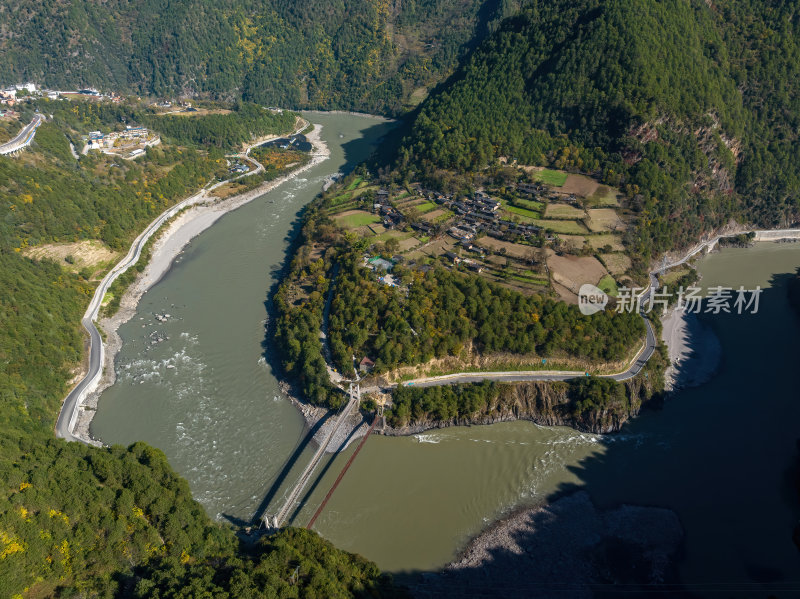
point(605, 196)
point(617, 264)
point(609, 285)
point(674, 274)
point(425, 207)
point(345, 207)
point(551, 177)
point(529, 204)
point(528, 215)
point(598, 242)
point(604, 219)
point(575, 242)
point(356, 218)
point(438, 216)
point(356, 182)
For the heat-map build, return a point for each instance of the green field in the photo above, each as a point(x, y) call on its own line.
point(425, 207)
point(355, 183)
point(340, 199)
point(359, 219)
point(529, 204)
point(551, 177)
point(525, 214)
point(604, 196)
point(609, 285)
point(674, 274)
point(530, 280)
point(343, 207)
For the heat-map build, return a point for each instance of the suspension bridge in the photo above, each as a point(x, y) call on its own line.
point(277, 521)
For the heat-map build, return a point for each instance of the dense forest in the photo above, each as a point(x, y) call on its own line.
point(365, 55)
point(81, 521)
point(440, 312)
point(690, 107)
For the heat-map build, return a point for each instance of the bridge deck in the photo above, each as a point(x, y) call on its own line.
point(355, 399)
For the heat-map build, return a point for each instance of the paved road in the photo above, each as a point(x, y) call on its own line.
point(525, 376)
point(69, 410)
point(68, 416)
point(23, 138)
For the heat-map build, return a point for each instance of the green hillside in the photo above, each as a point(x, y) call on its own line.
point(690, 108)
point(367, 54)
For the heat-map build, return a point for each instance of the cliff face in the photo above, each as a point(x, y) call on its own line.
point(547, 404)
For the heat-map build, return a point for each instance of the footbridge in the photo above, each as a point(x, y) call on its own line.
point(278, 520)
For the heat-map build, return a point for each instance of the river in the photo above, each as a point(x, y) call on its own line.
point(717, 454)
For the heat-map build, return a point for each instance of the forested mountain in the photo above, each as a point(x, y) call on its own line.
point(363, 54)
point(691, 107)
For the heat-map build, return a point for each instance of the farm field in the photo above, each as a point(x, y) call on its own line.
point(514, 250)
point(604, 219)
point(617, 264)
point(574, 242)
point(532, 205)
point(571, 227)
point(605, 196)
point(557, 210)
point(574, 271)
point(425, 207)
point(437, 216)
point(73, 256)
point(352, 219)
point(598, 242)
point(524, 214)
point(550, 177)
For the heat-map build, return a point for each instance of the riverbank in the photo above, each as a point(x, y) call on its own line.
point(364, 115)
point(179, 232)
point(535, 550)
point(694, 350)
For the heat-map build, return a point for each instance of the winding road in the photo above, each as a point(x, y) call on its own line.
point(69, 410)
point(68, 416)
point(24, 138)
point(522, 376)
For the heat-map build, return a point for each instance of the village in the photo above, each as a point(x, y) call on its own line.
point(546, 233)
point(10, 95)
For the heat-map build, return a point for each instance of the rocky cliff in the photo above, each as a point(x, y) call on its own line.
point(547, 404)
